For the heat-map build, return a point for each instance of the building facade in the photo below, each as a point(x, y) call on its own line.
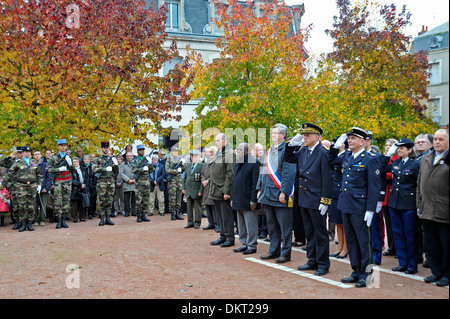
point(436, 42)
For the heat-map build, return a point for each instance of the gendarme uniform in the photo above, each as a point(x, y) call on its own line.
point(58, 169)
point(104, 170)
point(26, 175)
point(142, 172)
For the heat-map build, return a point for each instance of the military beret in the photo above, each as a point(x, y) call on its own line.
point(104, 144)
point(311, 128)
point(405, 142)
point(140, 147)
point(359, 132)
point(62, 141)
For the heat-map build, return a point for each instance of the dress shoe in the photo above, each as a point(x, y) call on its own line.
point(321, 272)
point(196, 226)
point(361, 283)
point(376, 263)
point(342, 256)
point(227, 243)
point(350, 280)
point(432, 278)
point(410, 271)
point(218, 241)
point(307, 267)
point(208, 227)
point(240, 249)
point(335, 255)
point(442, 282)
point(189, 226)
point(399, 268)
point(389, 253)
point(426, 264)
point(249, 251)
point(282, 259)
point(268, 256)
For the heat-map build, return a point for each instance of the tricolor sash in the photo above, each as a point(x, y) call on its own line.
point(276, 178)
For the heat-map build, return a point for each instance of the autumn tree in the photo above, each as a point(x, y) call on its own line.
point(371, 79)
point(85, 71)
point(254, 82)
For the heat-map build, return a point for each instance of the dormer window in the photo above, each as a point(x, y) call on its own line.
point(435, 42)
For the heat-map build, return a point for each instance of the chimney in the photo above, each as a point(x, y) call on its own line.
point(424, 29)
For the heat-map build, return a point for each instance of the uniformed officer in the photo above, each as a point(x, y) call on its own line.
point(142, 171)
point(402, 203)
point(58, 169)
point(357, 200)
point(314, 194)
point(104, 169)
point(27, 177)
point(174, 169)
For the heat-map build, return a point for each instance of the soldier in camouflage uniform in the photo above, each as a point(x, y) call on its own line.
point(142, 176)
point(7, 163)
point(58, 169)
point(26, 175)
point(174, 169)
point(105, 167)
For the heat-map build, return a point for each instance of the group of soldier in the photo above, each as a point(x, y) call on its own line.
point(24, 178)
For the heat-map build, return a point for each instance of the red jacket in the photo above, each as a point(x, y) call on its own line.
point(389, 181)
point(4, 195)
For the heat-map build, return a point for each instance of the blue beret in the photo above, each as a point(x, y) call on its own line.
point(62, 141)
point(140, 147)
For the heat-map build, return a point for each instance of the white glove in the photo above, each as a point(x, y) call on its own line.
point(418, 212)
point(392, 150)
point(379, 206)
point(62, 168)
point(368, 218)
point(114, 160)
point(323, 209)
point(297, 140)
point(68, 160)
point(340, 141)
point(108, 169)
point(38, 189)
point(179, 169)
point(182, 161)
point(145, 168)
point(148, 159)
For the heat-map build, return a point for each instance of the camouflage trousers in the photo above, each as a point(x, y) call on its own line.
point(174, 189)
point(142, 197)
point(105, 196)
point(61, 195)
point(26, 197)
point(13, 199)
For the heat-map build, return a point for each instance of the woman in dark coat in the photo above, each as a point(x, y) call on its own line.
point(79, 179)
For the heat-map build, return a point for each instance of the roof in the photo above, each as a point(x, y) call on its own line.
point(435, 39)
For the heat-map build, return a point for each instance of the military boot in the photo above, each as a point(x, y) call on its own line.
point(172, 216)
point(16, 224)
point(139, 218)
point(23, 225)
point(144, 218)
point(178, 216)
point(30, 225)
point(102, 220)
point(109, 221)
point(58, 222)
point(63, 222)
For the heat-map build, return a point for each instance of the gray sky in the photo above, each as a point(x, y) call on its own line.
point(431, 13)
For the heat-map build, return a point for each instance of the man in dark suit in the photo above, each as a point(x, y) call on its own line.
point(192, 188)
point(315, 190)
point(357, 200)
point(274, 188)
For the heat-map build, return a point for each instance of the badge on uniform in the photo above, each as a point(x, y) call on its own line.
point(377, 172)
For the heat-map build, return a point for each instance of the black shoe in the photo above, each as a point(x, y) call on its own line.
point(307, 267)
point(23, 226)
point(227, 243)
point(442, 282)
point(16, 225)
point(268, 256)
point(189, 226)
point(30, 225)
point(102, 220)
point(350, 280)
point(335, 255)
point(108, 221)
point(342, 256)
point(208, 227)
point(321, 272)
point(139, 218)
point(58, 222)
point(177, 216)
point(399, 268)
point(389, 253)
point(410, 271)
point(249, 251)
point(426, 264)
point(282, 259)
point(144, 218)
point(361, 283)
point(240, 249)
point(432, 278)
point(218, 241)
point(173, 217)
point(63, 222)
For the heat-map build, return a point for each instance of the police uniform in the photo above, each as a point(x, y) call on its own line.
point(402, 208)
point(314, 191)
point(27, 178)
point(142, 172)
point(359, 196)
point(58, 169)
point(105, 170)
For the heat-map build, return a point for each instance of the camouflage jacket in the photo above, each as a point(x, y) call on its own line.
point(54, 163)
point(138, 170)
point(99, 169)
point(22, 174)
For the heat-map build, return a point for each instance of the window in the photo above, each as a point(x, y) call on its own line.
point(436, 109)
point(435, 70)
point(172, 16)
